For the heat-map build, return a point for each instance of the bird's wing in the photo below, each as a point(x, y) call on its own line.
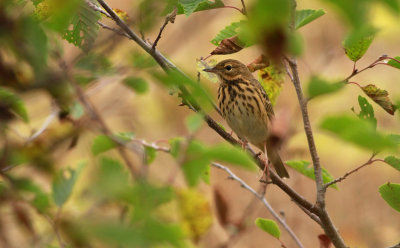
point(268, 105)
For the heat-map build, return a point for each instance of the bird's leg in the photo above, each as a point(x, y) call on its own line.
point(266, 162)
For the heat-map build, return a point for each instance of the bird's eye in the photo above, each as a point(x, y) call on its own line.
point(228, 67)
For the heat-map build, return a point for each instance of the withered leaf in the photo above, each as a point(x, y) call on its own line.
point(228, 46)
point(324, 241)
point(222, 208)
point(259, 63)
point(381, 97)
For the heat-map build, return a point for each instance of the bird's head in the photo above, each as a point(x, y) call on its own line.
point(229, 69)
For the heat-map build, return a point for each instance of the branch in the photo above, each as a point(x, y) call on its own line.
point(170, 18)
point(117, 31)
point(262, 199)
point(244, 10)
point(373, 64)
point(370, 161)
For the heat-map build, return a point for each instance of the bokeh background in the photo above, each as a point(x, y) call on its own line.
point(363, 218)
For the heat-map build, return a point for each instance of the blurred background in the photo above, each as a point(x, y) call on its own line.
point(363, 218)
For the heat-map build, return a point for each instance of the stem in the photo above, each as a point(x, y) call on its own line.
point(244, 10)
point(262, 199)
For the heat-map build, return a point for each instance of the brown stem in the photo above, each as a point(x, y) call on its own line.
point(244, 10)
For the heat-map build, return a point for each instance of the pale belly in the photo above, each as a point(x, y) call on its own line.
point(247, 124)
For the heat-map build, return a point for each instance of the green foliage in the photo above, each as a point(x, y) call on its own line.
point(355, 12)
point(366, 112)
point(139, 85)
point(112, 180)
point(394, 63)
point(198, 157)
point(390, 192)
point(142, 61)
point(103, 143)
point(268, 226)
point(40, 200)
point(393, 5)
point(95, 64)
point(228, 32)
point(358, 131)
point(357, 43)
point(187, 7)
point(305, 16)
point(151, 154)
point(61, 14)
point(304, 168)
point(63, 184)
point(194, 122)
point(393, 161)
point(84, 28)
point(11, 101)
point(77, 110)
point(318, 86)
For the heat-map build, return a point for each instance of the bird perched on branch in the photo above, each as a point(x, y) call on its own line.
point(247, 109)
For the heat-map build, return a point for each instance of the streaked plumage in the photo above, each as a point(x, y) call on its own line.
point(246, 107)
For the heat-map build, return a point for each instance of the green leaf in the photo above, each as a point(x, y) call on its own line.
point(101, 144)
point(142, 60)
point(318, 86)
point(63, 184)
point(175, 144)
point(305, 16)
point(34, 45)
point(394, 63)
point(95, 63)
point(77, 110)
point(356, 12)
point(393, 161)
point(367, 112)
point(357, 43)
point(308, 171)
point(151, 154)
point(12, 101)
point(139, 85)
point(206, 175)
point(227, 32)
point(358, 131)
point(268, 226)
point(112, 180)
point(196, 163)
point(231, 154)
point(41, 200)
point(394, 5)
point(390, 192)
point(194, 122)
point(189, 6)
point(83, 27)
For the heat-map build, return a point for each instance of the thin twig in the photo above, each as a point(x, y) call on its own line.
point(370, 161)
point(244, 10)
point(262, 199)
point(373, 64)
point(170, 18)
point(44, 126)
point(117, 31)
point(97, 8)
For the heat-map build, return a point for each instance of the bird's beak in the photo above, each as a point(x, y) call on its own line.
point(212, 70)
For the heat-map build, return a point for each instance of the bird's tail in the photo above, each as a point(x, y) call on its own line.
point(276, 160)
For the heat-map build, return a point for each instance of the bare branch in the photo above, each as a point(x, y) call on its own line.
point(97, 8)
point(370, 161)
point(262, 199)
point(244, 10)
point(117, 31)
point(170, 18)
point(44, 126)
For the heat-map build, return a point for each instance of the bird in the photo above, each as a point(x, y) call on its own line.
point(246, 107)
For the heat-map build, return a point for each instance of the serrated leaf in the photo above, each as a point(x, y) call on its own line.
point(139, 85)
point(63, 184)
point(194, 122)
point(318, 86)
point(189, 6)
point(228, 32)
point(229, 46)
point(304, 168)
point(394, 63)
point(381, 97)
point(390, 192)
point(186, 6)
point(367, 112)
point(269, 226)
point(305, 16)
point(358, 131)
point(10, 100)
point(393, 161)
point(83, 27)
point(357, 43)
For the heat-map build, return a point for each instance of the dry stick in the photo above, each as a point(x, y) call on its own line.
point(167, 65)
point(262, 199)
point(170, 18)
